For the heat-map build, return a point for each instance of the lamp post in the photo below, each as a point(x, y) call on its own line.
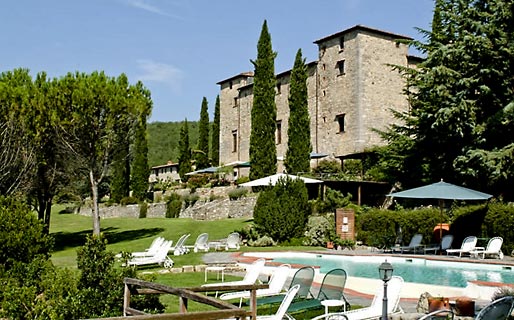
point(385, 270)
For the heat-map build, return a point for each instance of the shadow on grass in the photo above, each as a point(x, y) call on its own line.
point(66, 240)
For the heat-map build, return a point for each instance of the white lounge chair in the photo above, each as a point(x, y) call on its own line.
point(493, 248)
point(468, 244)
point(201, 243)
point(374, 311)
point(180, 247)
point(233, 241)
point(415, 243)
point(152, 249)
point(160, 258)
point(276, 285)
point(282, 310)
point(252, 274)
point(446, 243)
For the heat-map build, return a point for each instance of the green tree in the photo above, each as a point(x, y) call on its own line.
point(282, 211)
point(202, 155)
point(215, 141)
point(298, 131)
point(120, 172)
point(17, 155)
point(140, 167)
point(460, 125)
point(94, 105)
point(184, 160)
point(263, 152)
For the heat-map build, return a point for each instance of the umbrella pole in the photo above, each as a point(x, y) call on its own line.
point(441, 205)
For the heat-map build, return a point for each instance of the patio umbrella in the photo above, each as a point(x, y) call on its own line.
point(442, 191)
point(206, 170)
point(272, 180)
point(317, 155)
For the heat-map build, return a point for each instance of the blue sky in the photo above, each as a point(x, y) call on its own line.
point(180, 49)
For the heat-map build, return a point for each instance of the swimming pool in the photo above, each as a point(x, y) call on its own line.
point(417, 270)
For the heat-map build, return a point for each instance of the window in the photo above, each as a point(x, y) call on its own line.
point(340, 66)
point(278, 132)
point(341, 43)
point(230, 84)
point(279, 88)
point(234, 140)
point(235, 102)
point(340, 122)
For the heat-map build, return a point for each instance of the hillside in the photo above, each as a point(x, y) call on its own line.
point(163, 139)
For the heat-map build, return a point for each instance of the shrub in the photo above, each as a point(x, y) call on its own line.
point(242, 180)
point(318, 230)
point(237, 193)
point(328, 166)
point(128, 200)
point(143, 209)
point(264, 241)
point(173, 205)
point(191, 199)
point(281, 212)
point(332, 200)
point(197, 181)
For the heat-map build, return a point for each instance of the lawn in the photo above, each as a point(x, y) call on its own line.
point(132, 234)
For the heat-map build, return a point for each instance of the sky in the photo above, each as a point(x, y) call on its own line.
point(180, 49)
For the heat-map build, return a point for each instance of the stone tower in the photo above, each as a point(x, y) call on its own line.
point(351, 89)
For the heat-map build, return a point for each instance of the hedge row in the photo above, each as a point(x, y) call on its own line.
point(384, 228)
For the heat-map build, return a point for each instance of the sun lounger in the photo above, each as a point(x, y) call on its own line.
point(468, 245)
point(160, 258)
point(415, 244)
point(493, 249)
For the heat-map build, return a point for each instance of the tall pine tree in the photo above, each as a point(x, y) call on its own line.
point(298, 131)
point(202, 154)
point(140, 167)
point(184, 158)
point(263, 152)
point(215, 142)
point(460, 125)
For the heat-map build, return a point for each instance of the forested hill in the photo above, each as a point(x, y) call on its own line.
point(163, 139)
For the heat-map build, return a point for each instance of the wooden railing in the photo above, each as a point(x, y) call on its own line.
point(226, 310)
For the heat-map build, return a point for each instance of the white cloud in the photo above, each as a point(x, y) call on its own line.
point(153, 71)
point(146, 6)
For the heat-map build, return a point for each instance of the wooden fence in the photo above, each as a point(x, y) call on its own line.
point(225, 310)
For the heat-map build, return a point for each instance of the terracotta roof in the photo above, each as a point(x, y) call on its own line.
point(363, 28)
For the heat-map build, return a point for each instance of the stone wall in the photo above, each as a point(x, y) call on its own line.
point(363, 92)
point(221, 207)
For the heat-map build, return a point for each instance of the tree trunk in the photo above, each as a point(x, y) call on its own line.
point(96, 211)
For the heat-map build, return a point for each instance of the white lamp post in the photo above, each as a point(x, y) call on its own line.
point(385, 270)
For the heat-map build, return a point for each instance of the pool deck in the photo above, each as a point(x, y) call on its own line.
point(361, 290)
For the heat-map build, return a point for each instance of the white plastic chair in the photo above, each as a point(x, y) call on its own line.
point(493, 248)
point(276, 285)
point(468, 244)
point(201, 243)
point(394, 287)
point(282, 310)
point(180, 248)
point(160, 258)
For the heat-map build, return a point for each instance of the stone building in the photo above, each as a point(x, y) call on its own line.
point(351, 89)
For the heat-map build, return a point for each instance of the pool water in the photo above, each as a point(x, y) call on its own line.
point(417, 270)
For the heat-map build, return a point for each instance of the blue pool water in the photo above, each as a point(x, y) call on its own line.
point(444, 273)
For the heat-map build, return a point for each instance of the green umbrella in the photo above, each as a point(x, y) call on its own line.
point(442, 191)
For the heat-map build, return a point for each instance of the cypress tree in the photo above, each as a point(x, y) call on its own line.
point(202, 156)
point(298, 131)
point(184, 159)
point(215, 144)
point(140, 167)
point(263, 153)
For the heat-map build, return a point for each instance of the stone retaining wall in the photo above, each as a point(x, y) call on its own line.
point(221, 207)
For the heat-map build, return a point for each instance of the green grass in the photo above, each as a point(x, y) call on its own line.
point(131, 234)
